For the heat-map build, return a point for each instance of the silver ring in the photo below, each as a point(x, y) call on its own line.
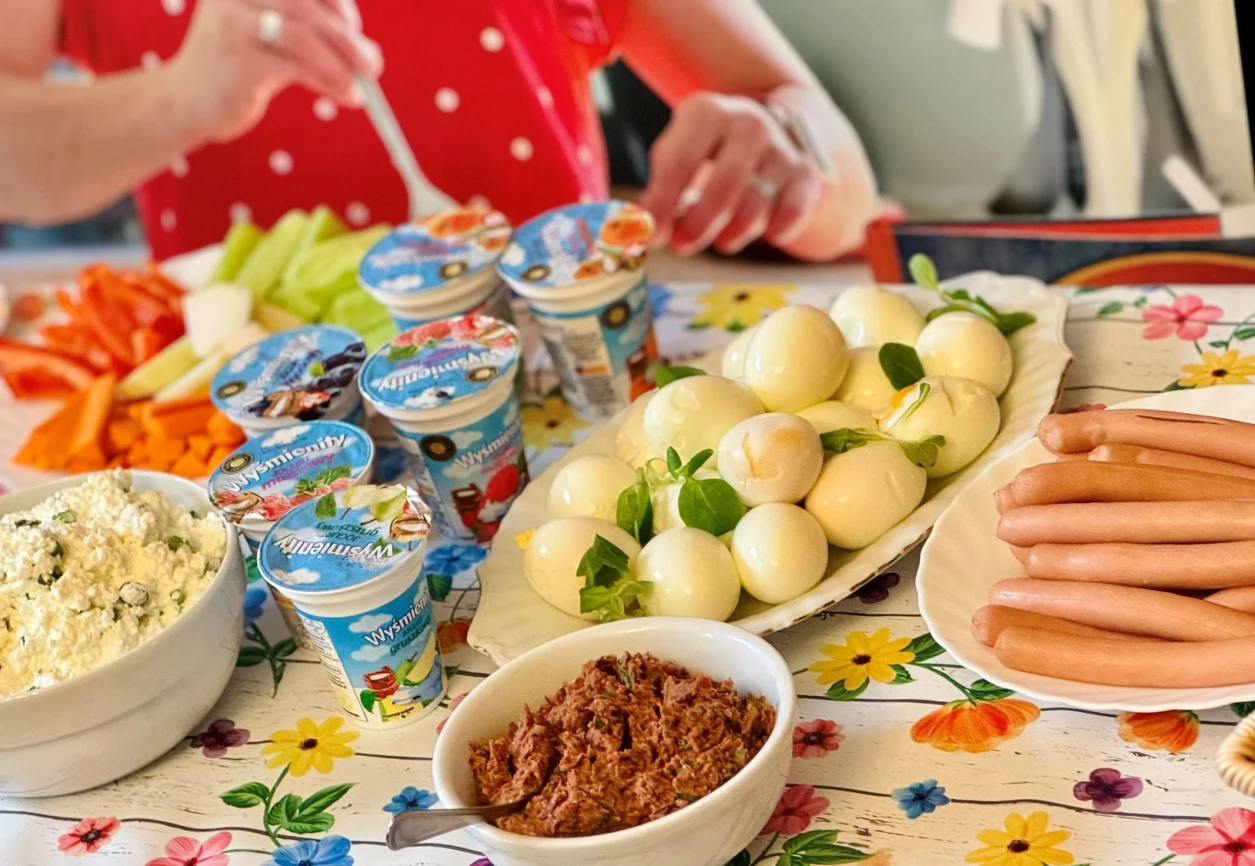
point(764, 187)
point(270, 27)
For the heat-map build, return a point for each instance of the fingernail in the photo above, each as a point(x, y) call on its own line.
point(661, 238)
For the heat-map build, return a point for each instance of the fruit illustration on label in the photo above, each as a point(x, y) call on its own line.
point(382, 682)
point(408, 527)
point(233, 504)
point(629, 226)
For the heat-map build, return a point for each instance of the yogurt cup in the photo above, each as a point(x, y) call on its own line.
point(440, 266)
point(352, 563)
point(300, 375)
point(581, 269)
point(271, 474)
point(447, 388)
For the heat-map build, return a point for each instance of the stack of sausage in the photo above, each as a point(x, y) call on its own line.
point(1139, 545)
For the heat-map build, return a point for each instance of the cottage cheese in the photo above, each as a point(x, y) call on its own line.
point(93, 572)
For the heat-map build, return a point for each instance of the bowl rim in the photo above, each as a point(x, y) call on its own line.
point(157, 641)
point(707, 805)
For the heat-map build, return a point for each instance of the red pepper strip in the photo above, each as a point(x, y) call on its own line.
point(36, 385)
point(24, 356)
point(168, 328)
point(157, 283)
point(145, 343)
point(77, 342)
point(109, 325)
point(141, 306)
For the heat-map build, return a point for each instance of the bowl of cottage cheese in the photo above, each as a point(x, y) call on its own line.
point(121, 606)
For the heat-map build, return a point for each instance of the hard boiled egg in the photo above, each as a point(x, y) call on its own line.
point(779, 551)
point(770, 458)
point(691, 573)
point(554, 552)
point(865, 383)
point(862, 493)
point(872, 316)
point(963, 411)
point(630, 444)
point(733, 362)
point(691, 415)
point(795, 359)
point(967, 345)
point(589, 486)
point(835, 415)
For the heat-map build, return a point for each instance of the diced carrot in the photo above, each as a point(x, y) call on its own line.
point(176, 425)
point(166, 450)
point(200, 444)
point(219, 454)
point(123, 434)
point(138, 453)
point(188, 465)
point(117, 461)
point(86, 441)
point(158, 465)
point(178, 404)
point(77, 465)
point(137, 409)
point(223, 431)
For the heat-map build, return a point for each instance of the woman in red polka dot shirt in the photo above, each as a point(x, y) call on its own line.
point(191, 105)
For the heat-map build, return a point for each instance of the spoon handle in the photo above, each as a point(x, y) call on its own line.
point(410, 828)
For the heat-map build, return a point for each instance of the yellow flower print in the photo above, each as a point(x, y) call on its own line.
point(1026, 842)
point(550, 423)
point(1227, 369)
point(863, 657)
point(309, 746)
point(524, 538)
point(735, 306)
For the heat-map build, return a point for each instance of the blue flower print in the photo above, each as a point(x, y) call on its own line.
point(453, 559)
point(411, 799)
point(254, 599)
point(328, 851)
point(921, 798)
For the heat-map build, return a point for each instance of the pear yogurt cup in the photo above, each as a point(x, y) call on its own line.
point(352, 564)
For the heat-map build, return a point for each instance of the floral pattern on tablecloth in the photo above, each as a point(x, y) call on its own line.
point(900, 755)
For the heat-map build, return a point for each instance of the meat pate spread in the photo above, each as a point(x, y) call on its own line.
point(630, 740)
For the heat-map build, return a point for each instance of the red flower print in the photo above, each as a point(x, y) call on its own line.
point(453, 705)
point(793, 814)
point(452, 634)
point(1106, 788)
point(816, 739)
point(186, 851)
point(1229, 840)
point(88, 836)
point(222, 735)
point(1187, 317)
point(1167, 730)
point(877, 589)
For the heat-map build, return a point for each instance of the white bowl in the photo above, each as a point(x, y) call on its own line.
point(111, 721)
point(708, 833)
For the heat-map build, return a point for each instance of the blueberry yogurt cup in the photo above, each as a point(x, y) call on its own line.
point(352, 563)
point(447, 388)
point(282, 469)
point(304, 374)
point(581, 269)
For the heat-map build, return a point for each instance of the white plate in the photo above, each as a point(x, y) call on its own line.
point(964, 558)
point(512, 619)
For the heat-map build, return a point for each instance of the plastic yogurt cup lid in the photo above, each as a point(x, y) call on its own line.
point(294, 374)
point(433, 365)
point(345, 538)
point(423, 256)
point(271, 474)
point(578, 242)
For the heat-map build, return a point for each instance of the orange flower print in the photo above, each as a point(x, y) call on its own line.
point(88, 836)
point(1167, 731)
point(974, 726)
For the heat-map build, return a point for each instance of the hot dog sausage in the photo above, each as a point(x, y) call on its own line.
point(1127, 609)
point(1021, 553)
point(1118, 482)
point(1171, 459)
point(1199, 435)
point(1237, 598)
point(1144, 664)
point(992, 619)
point(1135, 522)
point(1167, 566)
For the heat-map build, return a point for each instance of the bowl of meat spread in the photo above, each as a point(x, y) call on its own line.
point(642, 742)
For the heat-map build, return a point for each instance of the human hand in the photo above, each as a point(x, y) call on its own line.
point(758, 183)
point(225, 74)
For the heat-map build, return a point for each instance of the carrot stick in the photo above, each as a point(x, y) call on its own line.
point(86, 441)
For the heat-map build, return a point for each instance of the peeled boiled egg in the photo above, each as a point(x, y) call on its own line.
point(691, 415)
point(835, 415)
point(872, 316)
point(733, 362)
point(554, 552)
point(770, 458)
point(963, 411)
point(780, 552)
point(795, 359)
point(589, 486)
point(691, 573)
point(964, 344)
point(865, 383)
point(862, 493)
point(630, 444)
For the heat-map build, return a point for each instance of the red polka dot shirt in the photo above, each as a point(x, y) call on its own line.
point(493, 96)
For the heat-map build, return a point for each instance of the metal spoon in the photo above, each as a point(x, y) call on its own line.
point(410, 828)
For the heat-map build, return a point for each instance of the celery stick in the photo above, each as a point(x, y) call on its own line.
point(265, 266)
point(237, 246)
point(323, 225)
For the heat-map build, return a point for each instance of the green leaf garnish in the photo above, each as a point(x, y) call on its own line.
point(664, 376)
point(901, 365)
point(710, 504)
point(26, 521)
point(924, 273)
point(697, 462)
point(608, 587)
point(66, 516)
point(674, 463)
point(921, 452)
point(634, 512)
point(174, 542)
point(924, 390)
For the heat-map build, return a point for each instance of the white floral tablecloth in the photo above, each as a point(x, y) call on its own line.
point(901, 756)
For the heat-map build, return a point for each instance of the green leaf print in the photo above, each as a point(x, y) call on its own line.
point(326, 507)
point(838, 692)
point(924, 648)
point(249, 656)
point(246, 796)
point(1244, 333)
point(323, 800)
point(1243, 709)
point(984, 690)
point(439, 585)
point(900, 675)
point(1110, 309)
